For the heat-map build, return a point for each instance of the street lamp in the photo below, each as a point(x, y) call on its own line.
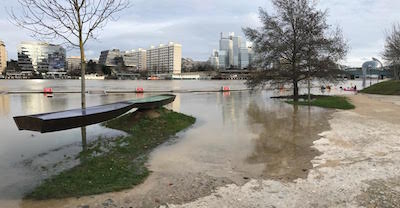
point(369, 68)
point(377, 60)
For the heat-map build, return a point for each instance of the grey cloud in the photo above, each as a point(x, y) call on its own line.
point(196, 24)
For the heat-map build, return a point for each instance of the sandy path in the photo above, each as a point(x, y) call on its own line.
point(359, 165)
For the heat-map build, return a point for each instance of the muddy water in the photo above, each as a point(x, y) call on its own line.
point(237, 136)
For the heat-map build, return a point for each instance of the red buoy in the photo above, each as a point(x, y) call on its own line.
point(225, 89)
point(139, 90)
point(48, 90)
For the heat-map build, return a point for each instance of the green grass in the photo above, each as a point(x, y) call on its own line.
point(391, 87)
point(336, 102)
point(118, 163)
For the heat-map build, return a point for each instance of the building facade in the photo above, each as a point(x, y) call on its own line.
point(3, 57)
point(73, 63)
point(110, 57)
point(214, 59)
point(233, 53)
point(135, 59)
point(40, 56)
point(165, 59)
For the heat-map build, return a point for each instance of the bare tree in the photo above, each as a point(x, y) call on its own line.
point(74, 21)
point(295, 44)
point(391, 53)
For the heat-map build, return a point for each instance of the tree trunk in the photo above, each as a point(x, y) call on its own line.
point(83, 81)
point(309, 90)
point(396, 73)
point(83, 93)
point(295, 91)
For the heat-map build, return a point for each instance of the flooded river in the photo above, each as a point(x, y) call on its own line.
point(237, 136)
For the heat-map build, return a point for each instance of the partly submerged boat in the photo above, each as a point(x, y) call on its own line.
point(63, 120)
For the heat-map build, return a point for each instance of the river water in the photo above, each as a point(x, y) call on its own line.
point(238, 135)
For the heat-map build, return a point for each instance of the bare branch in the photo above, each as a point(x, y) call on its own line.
point(295, 44)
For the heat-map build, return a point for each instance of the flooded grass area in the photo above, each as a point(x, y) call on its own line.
point(238, 136)
point(116, 163)
point(336, 102)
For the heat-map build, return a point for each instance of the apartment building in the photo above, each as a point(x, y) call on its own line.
point(3, 57)
point(109, 57)
point(41, 56)
point(135, 59)
point(165, 59)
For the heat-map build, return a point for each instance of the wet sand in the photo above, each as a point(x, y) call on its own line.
point(359, 165)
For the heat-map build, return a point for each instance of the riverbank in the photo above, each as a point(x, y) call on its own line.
point(335, 102)
point(359, 165)
point(114, 164)
point(238, 137)
point(391, 87)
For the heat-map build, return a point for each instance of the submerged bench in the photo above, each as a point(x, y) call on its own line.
point(63, 120)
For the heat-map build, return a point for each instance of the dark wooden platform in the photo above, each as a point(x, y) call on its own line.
point(63, 120)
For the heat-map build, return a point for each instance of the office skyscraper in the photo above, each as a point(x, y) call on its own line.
point(233, 53)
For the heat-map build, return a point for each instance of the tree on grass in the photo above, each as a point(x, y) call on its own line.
point(391, 53)
point(295, 44)
point(73, 21)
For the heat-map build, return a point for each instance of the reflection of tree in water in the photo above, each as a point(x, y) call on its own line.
point(287, 134)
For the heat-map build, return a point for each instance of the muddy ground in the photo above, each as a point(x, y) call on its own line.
point(358, 165)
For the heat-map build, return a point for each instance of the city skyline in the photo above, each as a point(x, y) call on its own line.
point(197, 24)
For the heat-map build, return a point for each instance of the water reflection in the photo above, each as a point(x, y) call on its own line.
point(84, 141)
point(232, 105)
point(236, 134)
point(4, 105)
point(285, 136)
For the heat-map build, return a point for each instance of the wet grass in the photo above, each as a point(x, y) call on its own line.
point(115, 164)
point(336, 102)
point(391, 87)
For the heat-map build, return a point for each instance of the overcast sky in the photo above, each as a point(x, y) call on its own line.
point(196, 25)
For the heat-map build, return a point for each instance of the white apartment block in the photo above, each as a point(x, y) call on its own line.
point(165, 59)
point(3, 57)
point(135, 59)
point(74, 63)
